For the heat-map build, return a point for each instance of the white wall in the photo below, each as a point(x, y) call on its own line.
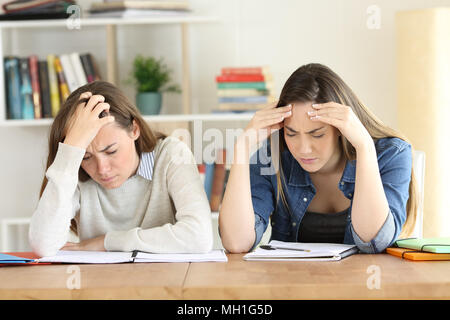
point(281, 33)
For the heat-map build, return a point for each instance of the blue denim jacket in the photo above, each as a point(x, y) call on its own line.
point(394, 162)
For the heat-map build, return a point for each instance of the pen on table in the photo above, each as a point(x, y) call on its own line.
point(269, 247)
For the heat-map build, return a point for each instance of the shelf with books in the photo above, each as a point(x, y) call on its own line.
point(111, 59)
point(86, 22)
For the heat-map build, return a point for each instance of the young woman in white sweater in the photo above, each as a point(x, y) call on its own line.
point(116, 183)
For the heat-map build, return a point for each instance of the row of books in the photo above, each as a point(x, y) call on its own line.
point(36, 9)
point(244, 88)
point(36, 88)
point(141, 8)
point(215, 177)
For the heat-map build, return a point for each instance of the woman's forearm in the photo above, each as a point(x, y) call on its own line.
point(236, 217)
point(370, 206)
point(49, 226)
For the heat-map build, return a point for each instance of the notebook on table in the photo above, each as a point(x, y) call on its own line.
point(300, 251)
point(434, 245)
point(101, 257)
point(417, 255)
point(421, 249)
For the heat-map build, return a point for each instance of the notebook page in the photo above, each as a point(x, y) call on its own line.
point(66, 256)
point(212, 256)
point(317, 251)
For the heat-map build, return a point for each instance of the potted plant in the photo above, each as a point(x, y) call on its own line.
point(151, 78)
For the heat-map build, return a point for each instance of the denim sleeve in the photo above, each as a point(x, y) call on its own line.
point(263, 194)
point(381, 241)
point(395, 164)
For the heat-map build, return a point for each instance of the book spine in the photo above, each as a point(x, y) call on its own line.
point(87, 67)
point(243, 85)
point(243, 70)
point(15, 6)
point(14, 107)
point(242, 78)
point(35, 85)
point(53, 84)
point(45, 89)
point(94, 67)
point(218, 181)
point(69, 73)
point(241, 106)
point(209, 176)
point(26, 92)
point(242, 93)
point(201, 172)
point(78, 68)
point(260, 99)
point(63, 88)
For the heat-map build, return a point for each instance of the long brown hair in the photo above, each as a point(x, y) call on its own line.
point(319, 84)
point(124, 112)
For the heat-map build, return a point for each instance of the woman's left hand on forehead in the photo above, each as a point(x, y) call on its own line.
point(344, 119)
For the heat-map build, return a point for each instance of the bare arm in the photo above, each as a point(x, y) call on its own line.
point(370, 206)
point(237, 217)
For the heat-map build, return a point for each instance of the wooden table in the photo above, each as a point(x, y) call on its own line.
point(360, 276)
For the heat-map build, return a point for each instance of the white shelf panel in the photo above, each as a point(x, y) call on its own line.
point(108, 21)
point(201, 117)
point(156, 118)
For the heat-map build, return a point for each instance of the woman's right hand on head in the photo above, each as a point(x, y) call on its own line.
point(265, 122)
point(85, 123)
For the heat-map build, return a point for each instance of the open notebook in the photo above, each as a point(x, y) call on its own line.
point(299, 251)
point(97, 257)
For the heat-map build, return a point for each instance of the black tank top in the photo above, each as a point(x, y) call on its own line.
point(323, 227)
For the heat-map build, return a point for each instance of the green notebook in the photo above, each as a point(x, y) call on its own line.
point(435, 245)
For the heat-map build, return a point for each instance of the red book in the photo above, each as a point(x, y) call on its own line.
point(34, 76)
point(245, 70)
point(202, 171)
point(241, 78)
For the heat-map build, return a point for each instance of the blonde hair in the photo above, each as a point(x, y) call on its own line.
point(319, 84)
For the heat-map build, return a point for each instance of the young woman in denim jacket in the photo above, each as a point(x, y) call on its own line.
point(328, 171)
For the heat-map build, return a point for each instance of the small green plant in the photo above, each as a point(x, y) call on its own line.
point(151, 75)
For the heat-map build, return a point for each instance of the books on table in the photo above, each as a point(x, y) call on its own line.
point(422, 249)
point(299, 251)
point(104, 257)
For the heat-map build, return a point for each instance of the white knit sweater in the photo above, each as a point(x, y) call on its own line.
point(168, 214)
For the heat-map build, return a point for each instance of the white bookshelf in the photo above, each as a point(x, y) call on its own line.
point(156, 118)
point(111, 72)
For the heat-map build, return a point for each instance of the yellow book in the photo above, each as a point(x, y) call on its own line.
point(63, 87)
point(53, 82)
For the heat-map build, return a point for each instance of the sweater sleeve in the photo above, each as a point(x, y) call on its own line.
point(192, 230)
point(60, 201)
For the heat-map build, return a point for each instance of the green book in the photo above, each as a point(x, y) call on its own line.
point(435, 245)
point(243, 85)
